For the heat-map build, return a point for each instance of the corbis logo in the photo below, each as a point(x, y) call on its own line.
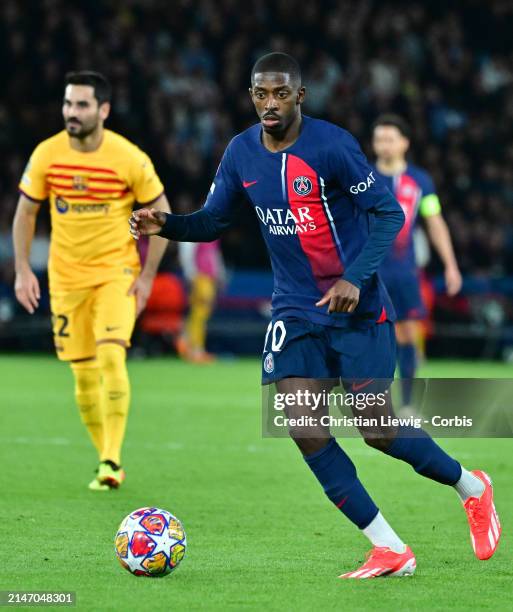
point(61, 205)
point(302, 185)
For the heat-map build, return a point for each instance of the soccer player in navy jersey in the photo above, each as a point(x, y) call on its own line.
point(414, 190)
point(313, 192)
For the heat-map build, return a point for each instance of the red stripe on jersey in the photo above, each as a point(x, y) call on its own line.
point(88, 168)
point(119, 190)
point(60, 185)
point(408, 194)
point(82, 196)
point(89, 178)
point(318, 244)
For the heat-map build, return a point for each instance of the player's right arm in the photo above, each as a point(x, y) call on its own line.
point(204, 225)
point(33, 191)
point(26, 284)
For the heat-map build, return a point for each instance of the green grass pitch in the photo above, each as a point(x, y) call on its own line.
point(261, 535)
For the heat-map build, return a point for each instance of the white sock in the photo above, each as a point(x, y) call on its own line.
point(380, 533)
point(469, 485)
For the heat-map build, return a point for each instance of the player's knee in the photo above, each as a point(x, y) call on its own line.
point(112, 361)
point(202, 303)
point(111, 358)
point(87, 390)
point(86, 375)
point(309, 446)
point(380, 443)
point(408, 333)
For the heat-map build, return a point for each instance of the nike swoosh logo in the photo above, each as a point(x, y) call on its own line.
point(247, 184)
point(109, 329)
point(357, 387)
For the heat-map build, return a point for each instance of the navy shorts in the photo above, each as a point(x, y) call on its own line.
point(404, 291)
point(300, 348)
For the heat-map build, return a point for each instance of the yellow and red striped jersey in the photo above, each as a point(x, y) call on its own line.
point(91, 196)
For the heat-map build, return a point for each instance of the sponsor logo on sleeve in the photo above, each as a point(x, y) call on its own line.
point(25, 179)
point(363, 185)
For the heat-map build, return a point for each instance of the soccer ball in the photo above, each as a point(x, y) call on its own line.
point(150, 542)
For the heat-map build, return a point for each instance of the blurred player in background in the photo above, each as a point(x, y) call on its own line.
point(313, 192)
point(202, 265)
point(415, 192)
point(92, 178)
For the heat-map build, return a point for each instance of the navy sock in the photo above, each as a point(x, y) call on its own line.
point(407, 358)
point(417, 448)
point(337, 475)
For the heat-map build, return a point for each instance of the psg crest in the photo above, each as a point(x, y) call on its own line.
point(302, 185)
point(269, 363)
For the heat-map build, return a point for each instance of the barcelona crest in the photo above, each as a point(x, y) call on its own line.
point(80, 183)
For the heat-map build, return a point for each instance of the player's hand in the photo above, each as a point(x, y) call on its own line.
point(342, 297)
point(26, 287)
point(146, 222)
point(453, 280)
point(141, 288)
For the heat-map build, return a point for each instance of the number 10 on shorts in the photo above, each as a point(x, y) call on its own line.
point(277, 331)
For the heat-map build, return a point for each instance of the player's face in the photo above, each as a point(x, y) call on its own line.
point(388, 143)
point(277, 100)
point(81, 111)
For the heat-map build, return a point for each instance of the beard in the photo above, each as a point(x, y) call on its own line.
point(80, 130)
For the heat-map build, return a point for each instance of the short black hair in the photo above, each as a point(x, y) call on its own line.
point(100, 84)
point(278, 62)
point(394, 121)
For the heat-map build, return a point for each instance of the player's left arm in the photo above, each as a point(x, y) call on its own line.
point(356, 177)
point(143, 284)
point(440, 237)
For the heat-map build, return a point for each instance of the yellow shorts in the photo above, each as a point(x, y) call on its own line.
point(83, 317)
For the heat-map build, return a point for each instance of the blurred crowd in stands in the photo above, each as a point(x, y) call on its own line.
point(180, 72)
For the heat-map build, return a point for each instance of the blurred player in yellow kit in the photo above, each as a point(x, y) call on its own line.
point(92, 178)
point(203, 267)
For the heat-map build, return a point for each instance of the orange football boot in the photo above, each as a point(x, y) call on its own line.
point(485, 527)
point(381, 561)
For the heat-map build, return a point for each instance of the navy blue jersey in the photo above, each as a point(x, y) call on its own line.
point(313, 201)
point(415, 192)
